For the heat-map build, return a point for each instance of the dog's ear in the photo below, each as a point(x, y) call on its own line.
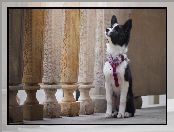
point(128, 25)
point(113, 20)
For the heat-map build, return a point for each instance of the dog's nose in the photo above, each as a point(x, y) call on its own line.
point(107, 30)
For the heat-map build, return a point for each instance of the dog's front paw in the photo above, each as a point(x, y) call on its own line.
point(120, 115)
point(126, 114)
point(107, 115)
point(114, 114)
point(123, 115)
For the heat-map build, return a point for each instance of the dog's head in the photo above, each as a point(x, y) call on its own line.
point(118, 34)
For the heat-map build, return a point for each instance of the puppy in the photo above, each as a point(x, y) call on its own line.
point(118, 79)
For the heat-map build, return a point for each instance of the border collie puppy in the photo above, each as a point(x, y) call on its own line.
point(118, 79)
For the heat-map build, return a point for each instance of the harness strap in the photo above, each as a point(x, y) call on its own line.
point(115, 74)
point(115, 63)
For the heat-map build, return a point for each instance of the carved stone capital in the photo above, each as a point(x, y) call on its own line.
point(69, 106)
point(15, 110)
point(84, 91)
point(68, 92)
point(86, 104)
point(32, 110)
point(51, 106)
point(13, 90)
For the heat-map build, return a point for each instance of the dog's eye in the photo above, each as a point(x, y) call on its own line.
point(116, 28)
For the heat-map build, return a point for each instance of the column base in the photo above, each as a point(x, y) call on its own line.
point(51, 110)
point(138, 102)
point(70, 108)
point(51, 106)
point(33, 112)
point(99, 104)
point(86, 107)
point(15, 114)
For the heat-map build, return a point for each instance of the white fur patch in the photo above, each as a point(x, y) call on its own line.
point(116, 24)
point(115, 50)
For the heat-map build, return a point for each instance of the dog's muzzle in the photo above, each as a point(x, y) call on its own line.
point(107, 32)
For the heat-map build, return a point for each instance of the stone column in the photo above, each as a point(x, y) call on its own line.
point(69, 62)
point(86, 60)
point(53, 40)
point(98, 93)
point(15, 64)
point(32, 55)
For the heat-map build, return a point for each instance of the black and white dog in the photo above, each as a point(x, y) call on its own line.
point(118, 79)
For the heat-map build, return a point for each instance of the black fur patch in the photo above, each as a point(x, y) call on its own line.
point(113, 20)
point(121, 33)
point(130, 107)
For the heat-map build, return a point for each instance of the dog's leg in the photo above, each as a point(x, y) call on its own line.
point(114, 106)
point(123, 97)
point(109, 93)
point(130, 108)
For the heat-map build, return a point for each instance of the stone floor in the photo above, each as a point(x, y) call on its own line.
point(154, 115)
point(95, 128)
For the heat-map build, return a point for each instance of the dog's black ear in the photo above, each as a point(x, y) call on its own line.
point(128, 25)
point(113, 20)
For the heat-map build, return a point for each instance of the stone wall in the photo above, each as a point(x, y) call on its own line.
point(147, 51)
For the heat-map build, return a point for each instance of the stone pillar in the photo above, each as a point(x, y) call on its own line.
point(98, 93)
point(69, 62)
point(15, 64)
point(86, 59)
point(53, 40)
point(32, 55)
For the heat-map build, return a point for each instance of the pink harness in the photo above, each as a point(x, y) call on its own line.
point(115, 62)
